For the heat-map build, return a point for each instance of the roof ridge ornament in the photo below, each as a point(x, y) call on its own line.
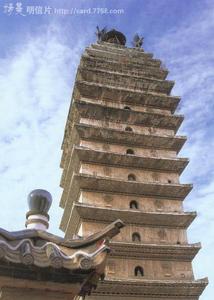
point(100, 33)
point(137, 41)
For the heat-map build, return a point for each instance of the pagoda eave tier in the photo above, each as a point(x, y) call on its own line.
point(112, 185)
point(166, 289)
point(129, 160)
point(128, 69)
point(130, 117)
point(124, 95)
point(185, 252)
point(122, 58)
point(137, 217)
point(132, 52)
point(115, 79)
point(86, 155)
point(115, 136)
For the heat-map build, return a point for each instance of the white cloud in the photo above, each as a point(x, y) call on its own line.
point(35, 97)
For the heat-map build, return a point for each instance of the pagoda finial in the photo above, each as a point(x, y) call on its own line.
point(113, 36)
point(137, 41)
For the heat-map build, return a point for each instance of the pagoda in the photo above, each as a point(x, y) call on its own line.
point(120, 161)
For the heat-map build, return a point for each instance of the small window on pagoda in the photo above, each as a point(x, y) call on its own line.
point(128, 128)
point(133, 204)
point(136, 237)
point(138, 271)
point(131, 177)
point(169, 181)
point(178, 242)
point(129, 151)
point(127, 107)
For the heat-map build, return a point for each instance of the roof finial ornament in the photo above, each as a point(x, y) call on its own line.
point(39, 202)
point(137, 41)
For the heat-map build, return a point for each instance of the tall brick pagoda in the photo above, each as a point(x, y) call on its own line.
point(120, 161)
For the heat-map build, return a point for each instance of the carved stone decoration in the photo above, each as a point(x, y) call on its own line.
point(2, 251)
point(26, 254)
point(158, 204)
point(86, 263)
point(54, 256)
point(106, 147)
point(162, 234)
point(107, 171)
point(108, 198)
point(111, 267)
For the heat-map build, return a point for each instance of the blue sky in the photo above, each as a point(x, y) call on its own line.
point(39, 55)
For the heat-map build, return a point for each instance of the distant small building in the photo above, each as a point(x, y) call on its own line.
point(37, 265)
